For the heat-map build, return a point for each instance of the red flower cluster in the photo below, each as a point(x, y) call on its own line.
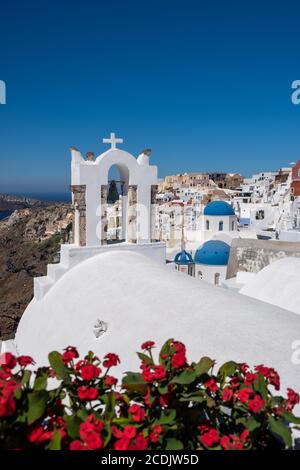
point(153, 372)
point(90, 433)
point(209, 437)
point(179, 358)
point(293, 399)
point(89, 372)
point(233, 442)
point(169, 401)
point(87, 393)
point(270, 374)
point(111, 360)
point(137, 412)
point(148, 345)
point(69, 354)
point(256, 404)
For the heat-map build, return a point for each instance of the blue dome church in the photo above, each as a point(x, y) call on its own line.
point(211, 260)
point(218, 216)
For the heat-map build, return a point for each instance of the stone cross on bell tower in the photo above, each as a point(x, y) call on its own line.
point(113, 140)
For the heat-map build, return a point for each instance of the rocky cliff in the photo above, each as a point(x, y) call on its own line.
point(29, 240)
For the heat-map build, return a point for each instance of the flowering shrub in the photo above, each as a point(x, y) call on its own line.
point(170, 404)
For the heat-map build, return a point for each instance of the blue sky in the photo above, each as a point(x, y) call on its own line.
point(206, 85)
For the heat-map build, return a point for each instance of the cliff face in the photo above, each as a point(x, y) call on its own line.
point(10, 202)
point(29, 240)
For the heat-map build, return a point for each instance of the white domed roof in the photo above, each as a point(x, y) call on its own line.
point(278, 283)
point(140, 300)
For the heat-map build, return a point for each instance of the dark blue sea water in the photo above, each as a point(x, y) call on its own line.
point(55, 197)
point(4, 214)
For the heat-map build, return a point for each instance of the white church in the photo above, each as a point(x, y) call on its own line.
point(112, 297)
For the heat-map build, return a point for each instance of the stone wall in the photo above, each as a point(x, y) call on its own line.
point(252, 255)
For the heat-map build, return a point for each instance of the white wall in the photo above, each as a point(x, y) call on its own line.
point(209, 272)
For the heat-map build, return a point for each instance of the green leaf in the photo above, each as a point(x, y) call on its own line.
point(204, 365)
point(26, 378)
point(37, 402)
point(134, 382)
point(278, 428)
point(82, 414)
point(143, 357)
point(227, 370)
point(61, 371)
point(291, 418)
point(250, 423)
point(167, 417)
point(73, 423)
point(110, 406)
point(55, 443)
point(260, 386)
point(165, 350)
point(174, 444)
point(40, 382)
point(186, 377)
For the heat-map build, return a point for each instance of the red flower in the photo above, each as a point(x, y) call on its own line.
point(86, 393)
point(165, 400)
point(116, 432)
point(245, 435)
point(129, 432)
point(231, 443)
point(25, 361)
point(179, 347)
point(77, 445)
point(141, 442)
point(155, 433)
point(293, 399)
point(257, 404)
point(244, 367)
point(270, 374)
point(234, 382)
point(147, 375)
point(94, 441)
point(244, 394)
point(211, 385)
point(38, 435)
point(227, 394)
point(210, 438)
point(110, 381)
point(137, 412)
point(69, 354)
point(8, 360)
point(7, 402)
point(89, 372)
point(178, 360)
point(122, 444)
point(111, 360)
point(159, 372)
point(249, 378)
point(148, 345)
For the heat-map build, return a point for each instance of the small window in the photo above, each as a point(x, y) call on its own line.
point(200, 275)
point(217, 279)
point(207, 225)
point(232, 225)
point(221, 225)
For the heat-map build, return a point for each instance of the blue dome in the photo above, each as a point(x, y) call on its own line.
point(218, 208)
point(183, 258)
point(213, 252)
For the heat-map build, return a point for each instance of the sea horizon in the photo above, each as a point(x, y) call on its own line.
point(52, 197)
